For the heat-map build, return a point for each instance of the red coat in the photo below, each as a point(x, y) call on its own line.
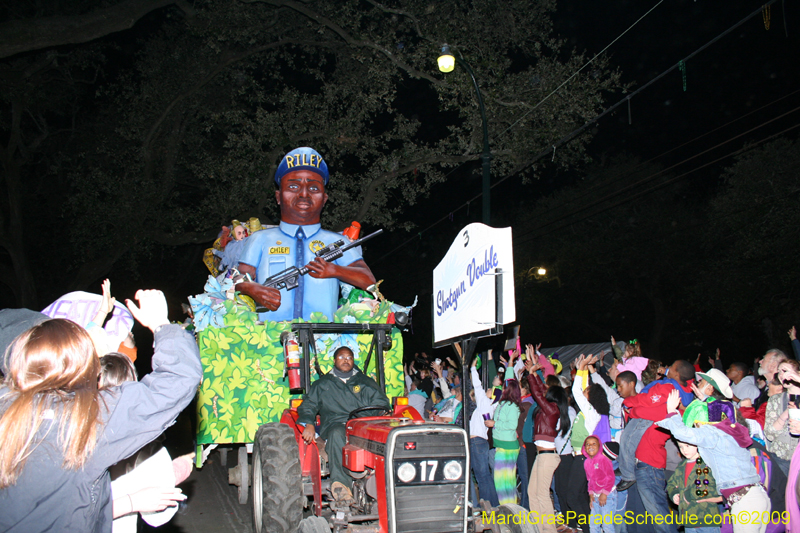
point(759, 416)
point(651, 405)
point(546, 418)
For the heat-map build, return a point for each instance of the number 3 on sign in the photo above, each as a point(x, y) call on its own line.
point(466, 238)
point(432, 464)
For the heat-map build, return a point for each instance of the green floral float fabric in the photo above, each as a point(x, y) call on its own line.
point(243, 385)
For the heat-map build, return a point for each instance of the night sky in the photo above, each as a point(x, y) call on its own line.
point(742, 72)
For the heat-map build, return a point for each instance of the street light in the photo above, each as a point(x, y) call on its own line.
point(542, 275)
point(447, 63)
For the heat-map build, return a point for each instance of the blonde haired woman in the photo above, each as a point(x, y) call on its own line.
point(60, 433)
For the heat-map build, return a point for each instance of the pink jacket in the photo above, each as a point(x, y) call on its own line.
point(599, 472)
point(635, 365)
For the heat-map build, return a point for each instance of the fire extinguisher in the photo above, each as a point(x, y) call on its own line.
point(291, 356)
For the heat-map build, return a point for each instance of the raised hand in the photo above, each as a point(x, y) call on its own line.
point(793, 334)
point(152, 309)
point(108, 301)
point(673, 401)
point(700, 396)
point(529, 365)
point(791, 374)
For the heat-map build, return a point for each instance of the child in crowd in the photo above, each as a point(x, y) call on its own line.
point(611, 450)
point(693, 490)
point(602, 493)
point(722, 443)
point(644, 411)
point(629, 357)
point(116, 369)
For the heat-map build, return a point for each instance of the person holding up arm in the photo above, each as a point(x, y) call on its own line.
point(59, 427)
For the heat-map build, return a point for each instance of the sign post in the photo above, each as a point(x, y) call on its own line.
point(473, 292)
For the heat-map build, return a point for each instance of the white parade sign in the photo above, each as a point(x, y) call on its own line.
point(464, 299)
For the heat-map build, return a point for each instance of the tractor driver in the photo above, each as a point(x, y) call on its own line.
point(301, 179)
point(334, 396)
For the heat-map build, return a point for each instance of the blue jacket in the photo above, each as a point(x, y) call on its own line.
point(730, 464)
point(47, 497)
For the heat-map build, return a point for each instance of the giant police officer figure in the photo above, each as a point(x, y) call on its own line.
point(301, 178)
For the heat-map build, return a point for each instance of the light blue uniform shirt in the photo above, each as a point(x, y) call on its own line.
point(272, 250)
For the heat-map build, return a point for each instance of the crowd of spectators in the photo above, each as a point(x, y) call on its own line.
point(630, 446)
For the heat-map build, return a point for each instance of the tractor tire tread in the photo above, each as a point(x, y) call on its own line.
point(281, 478)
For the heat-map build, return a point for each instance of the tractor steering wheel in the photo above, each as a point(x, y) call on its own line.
point(381, 408)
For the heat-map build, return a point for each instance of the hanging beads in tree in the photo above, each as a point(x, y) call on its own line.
point(682, 68)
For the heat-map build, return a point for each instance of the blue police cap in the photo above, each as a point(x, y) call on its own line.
point(304, 158)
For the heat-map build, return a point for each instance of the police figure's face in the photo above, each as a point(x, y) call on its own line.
point(301, 197)
point(344, 361)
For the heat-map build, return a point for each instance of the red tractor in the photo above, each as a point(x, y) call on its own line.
point(409, 475)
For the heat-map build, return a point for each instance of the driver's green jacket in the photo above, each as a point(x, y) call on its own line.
point(333, 400)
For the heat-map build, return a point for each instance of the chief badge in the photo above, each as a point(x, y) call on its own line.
point(316, 246)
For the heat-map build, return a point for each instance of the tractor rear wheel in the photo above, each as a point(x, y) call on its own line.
point(314, 524)
point(277, 480)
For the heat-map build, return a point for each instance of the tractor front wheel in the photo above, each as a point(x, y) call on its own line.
point(277, 480)
point(516, 519)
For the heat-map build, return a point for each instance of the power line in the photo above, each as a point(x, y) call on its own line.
point(660, 185)
point(591, 188)
point(661, 172)
point(578, 71)
point(468, 202)
point(576, 132)
point(565, 139)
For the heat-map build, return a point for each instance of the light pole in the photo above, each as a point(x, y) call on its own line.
point(447, 63)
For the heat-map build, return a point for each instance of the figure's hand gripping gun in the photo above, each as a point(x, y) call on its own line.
point(289, 279)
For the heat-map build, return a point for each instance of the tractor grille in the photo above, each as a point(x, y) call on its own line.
point(429, 503)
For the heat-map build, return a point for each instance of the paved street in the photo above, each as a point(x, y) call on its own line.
point(213, 505)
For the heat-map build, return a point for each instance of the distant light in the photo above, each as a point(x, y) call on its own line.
point(446, 61)
point(542, 271)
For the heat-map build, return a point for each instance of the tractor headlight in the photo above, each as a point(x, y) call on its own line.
point(406, 472)
point(453, 470)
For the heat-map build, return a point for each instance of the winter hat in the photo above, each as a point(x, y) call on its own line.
point(611, 450)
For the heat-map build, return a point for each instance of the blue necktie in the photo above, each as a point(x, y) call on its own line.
point(299, 263)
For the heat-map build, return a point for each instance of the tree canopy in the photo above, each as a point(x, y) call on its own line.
point(156, 136)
